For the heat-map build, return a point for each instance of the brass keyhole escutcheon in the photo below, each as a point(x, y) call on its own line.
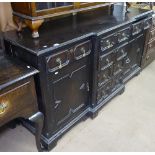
point(3, 107)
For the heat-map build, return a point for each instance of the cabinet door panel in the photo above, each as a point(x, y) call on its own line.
point(71, 94)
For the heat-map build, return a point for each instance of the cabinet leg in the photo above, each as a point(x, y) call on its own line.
point(34, 26)
point(122, 91)
point(93, 115)
point(38, 120)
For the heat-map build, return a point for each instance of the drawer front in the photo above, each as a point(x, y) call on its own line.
point(106, 60)
point(58, 61)
point(118, 67)
point(63, 58)
point(151, 46)
point(137, 28)
point(104, 76)
point(121, 52)
point(152, 35)
point(124, 34)
point(108, 42)
point(117, 81)
point(18, 101)
point(147, 23)
point(104, 92)
point(82, 50)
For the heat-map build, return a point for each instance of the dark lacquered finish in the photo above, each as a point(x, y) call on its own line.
point(119, 60)
point(83, 64)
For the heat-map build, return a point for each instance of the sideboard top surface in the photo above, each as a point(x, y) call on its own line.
point(67, 29)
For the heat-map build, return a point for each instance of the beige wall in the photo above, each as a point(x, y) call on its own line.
point(6, 22)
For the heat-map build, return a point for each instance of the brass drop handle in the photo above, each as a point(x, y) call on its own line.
point(124, 34)
point(3, 107)
point(127, 60)
point(108, 43)
point(58, 60)
point(123, 53)
point(104, 76)
point(107, 60)
point(84, 51)
point(138, 30)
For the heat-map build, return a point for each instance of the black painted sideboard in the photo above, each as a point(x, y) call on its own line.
point(84, 61)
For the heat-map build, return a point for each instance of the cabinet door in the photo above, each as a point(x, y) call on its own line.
point(70, 94)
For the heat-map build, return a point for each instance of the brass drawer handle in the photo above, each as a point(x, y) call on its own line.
point(108, 44)
point(127, 61)
point(83, 51)
point(58, 60)
point(3, 107)
point(124, 34)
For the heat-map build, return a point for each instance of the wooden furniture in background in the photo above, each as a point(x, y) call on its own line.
point(34, 13)
point(18, 95)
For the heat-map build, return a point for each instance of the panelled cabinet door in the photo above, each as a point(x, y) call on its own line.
point(70, 94)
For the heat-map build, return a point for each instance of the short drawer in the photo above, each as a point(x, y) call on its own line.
point(117, 82)
point(147, 23)
point(104, 91)
point(104, 76)
point(108, 42)
point(57, 61)
point(82, 50)
point(121, 52)
point(118, 67)
point(18, 101)
point(124, 34)
point(106, 60)
point(137, 28)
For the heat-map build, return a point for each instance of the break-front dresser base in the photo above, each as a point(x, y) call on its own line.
point(84, 61)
